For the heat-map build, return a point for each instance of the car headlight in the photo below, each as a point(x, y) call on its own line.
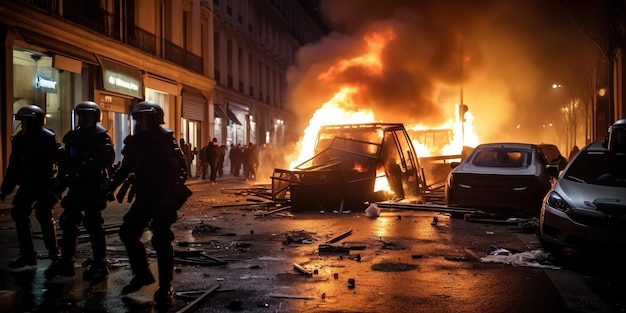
point(555, 201)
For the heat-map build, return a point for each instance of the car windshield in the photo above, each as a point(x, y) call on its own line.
point(501, 158)
point(599, 168)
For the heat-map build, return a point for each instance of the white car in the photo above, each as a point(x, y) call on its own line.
point(587, 206)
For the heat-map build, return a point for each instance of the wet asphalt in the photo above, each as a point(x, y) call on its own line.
point(239, 251)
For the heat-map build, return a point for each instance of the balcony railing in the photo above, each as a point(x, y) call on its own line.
point(182, 57)
point(113, 26)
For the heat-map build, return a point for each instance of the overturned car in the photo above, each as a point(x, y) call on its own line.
point(353, 164)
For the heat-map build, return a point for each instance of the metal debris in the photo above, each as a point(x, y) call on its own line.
point(200, 259)
point(205, 293)
point(302, 269)
point(328, 248)
point(284, 296)
point(344, 235)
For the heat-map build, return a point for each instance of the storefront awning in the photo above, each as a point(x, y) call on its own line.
point(233, 118)
point(219, 112)
point(55, 46)
point(121, 78)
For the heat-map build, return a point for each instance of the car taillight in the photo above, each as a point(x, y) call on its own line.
point(555, 201)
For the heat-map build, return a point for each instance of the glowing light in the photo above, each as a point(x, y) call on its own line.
point(331, 112)
point(342, 107)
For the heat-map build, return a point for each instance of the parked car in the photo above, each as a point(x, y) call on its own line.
point(501, 178)
point(587, 206)
point(553, 155)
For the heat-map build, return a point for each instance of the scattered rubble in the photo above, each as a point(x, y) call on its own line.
point(393, 267)
point(534, 258)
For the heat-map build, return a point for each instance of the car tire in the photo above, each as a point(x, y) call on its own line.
point(555, 250)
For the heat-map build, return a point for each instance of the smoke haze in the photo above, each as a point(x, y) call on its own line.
point(512, 52)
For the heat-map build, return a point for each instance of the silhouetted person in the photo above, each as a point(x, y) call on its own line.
point(220, 161)
point(213, 155)
point(572, 153)
point(90, 155)
point(188, 154)
point(204, 162)
point(153, 155)
point(34, 153)
point(251, 161)
point(236, 159)
point(231, 154)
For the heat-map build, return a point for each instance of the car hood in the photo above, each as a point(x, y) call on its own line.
point(583, 196)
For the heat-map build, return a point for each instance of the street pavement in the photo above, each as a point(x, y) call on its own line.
point(246, 253)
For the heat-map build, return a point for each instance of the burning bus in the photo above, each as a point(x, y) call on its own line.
point(352, 165)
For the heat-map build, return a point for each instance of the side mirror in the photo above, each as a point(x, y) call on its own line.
point(454, 164)
point(553, 170)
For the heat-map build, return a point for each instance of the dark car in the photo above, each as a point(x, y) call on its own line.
point(587, 206)
point(501, 178)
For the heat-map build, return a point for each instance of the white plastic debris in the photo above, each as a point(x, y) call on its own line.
point(372, 210)
point(534, 258)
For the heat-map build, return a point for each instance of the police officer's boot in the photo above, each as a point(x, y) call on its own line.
point(163, 295)
point(139, 264)
point(97, 270)
point(142, 278)
point(28, 257)
point(166, 275)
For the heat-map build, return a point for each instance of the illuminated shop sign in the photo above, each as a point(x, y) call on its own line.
point(119, 81)
point(45, 84)
point(120, 78)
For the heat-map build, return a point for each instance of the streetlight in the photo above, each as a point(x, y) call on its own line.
point(560, 99)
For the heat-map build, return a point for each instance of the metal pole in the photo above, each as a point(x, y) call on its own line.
point(461, 113)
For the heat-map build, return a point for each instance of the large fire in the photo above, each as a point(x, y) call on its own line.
point(343, 108)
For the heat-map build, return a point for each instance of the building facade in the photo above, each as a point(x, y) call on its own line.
point(254, 43)
point(212, 77)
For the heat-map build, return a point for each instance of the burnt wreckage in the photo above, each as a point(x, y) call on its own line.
point(353, 164)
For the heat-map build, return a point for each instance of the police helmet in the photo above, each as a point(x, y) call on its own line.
point(149, 107)
point(88, 107)
point(31, 113)
point(88, 113)
point(616, 138)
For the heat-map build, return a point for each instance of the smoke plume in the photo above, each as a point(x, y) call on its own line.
point(499, 57)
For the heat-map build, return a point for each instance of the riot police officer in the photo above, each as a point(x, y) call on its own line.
point(34, 155)
point(160, 171)
point(90, 155)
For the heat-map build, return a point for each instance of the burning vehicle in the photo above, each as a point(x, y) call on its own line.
point(353, 164)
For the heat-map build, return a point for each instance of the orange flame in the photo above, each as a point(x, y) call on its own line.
point(343, 109)
point(338, 110)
